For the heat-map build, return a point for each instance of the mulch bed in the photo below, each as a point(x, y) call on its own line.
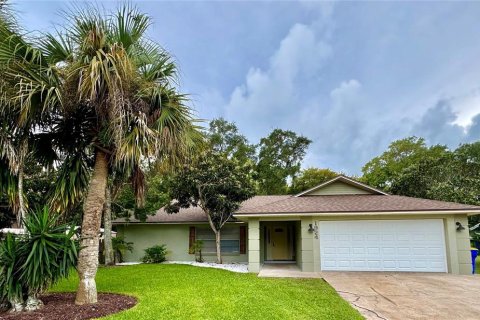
point(61, 306)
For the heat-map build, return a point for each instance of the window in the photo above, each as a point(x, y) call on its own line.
point(230, 239)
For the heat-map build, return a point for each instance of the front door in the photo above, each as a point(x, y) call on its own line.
point(279, 243)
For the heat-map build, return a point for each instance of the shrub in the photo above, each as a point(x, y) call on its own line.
point(30, 264)
point(120, 246)
point(197, 247)
point(155, 254)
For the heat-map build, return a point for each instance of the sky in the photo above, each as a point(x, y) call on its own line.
point(351, 76)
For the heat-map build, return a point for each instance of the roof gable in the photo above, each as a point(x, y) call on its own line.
point(340, 185)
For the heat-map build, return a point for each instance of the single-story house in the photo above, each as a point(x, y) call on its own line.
point(341, 224)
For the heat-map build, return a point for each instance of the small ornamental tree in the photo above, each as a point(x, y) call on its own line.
point(217, 185)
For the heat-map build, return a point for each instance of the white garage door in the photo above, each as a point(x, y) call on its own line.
point(383, 245)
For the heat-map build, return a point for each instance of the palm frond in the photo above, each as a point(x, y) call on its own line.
point(57, 48)
point(128, 26)
point(72, 182)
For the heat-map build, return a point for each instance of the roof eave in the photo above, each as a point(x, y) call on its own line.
point(165, 222)
point(359, 213)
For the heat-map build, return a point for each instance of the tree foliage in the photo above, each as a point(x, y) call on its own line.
point(156, 196)
point(216, 184)
point(381, 171)
point(225, 138)
point(310, 178)
point(279, 159)
point(454, 176)
point(411, 168)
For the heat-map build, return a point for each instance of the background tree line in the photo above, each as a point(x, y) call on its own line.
point(408, 167)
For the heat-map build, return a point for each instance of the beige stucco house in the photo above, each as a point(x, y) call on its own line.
point(339, 225)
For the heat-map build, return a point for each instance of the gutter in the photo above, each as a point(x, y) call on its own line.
point(160, 223)
point(359, 213)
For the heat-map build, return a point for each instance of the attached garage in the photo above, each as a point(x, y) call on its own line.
point(345, 225)
point(416, 245)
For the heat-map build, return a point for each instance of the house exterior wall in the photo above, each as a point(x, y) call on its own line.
point(174, 236)
point(308, 245)
point(337, 188)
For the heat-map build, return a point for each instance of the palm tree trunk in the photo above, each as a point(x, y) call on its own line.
point(92, 216)
point(21, 199)
point(107, 228)
point(21, 175)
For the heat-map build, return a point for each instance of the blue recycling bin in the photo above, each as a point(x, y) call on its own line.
point(474, 252)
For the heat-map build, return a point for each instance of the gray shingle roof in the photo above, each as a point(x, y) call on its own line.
point(314, 204)
point(353, 203)
point(195, 214)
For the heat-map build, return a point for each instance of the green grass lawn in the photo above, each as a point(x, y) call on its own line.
point(186, 292)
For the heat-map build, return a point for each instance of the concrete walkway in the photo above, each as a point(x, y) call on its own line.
point(285, 270)
point(383, 295)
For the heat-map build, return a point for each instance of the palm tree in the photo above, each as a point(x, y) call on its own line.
point(112, 98)
point(20, 137)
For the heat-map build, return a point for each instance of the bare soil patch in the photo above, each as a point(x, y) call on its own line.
point(61, 306)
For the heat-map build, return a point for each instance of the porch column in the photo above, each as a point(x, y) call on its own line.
point(253, 245)
point(307, 245)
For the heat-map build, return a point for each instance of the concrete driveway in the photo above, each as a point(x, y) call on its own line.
point(383, 295)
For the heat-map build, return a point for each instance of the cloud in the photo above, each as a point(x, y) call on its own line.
point(210, 104)
point(351, 112)
point(340, 128)
point(277, 93)
point(474, 129)
point(290, 94)
point(439, 125)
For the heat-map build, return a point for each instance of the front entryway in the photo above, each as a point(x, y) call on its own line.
point(285, 270)
point(279, 241)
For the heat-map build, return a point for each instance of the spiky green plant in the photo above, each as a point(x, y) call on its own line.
point(50, 249)
point(31, 263)
point(11, 260)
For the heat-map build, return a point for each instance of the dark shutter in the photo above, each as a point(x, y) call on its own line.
point(243, 239)
point(191, 240)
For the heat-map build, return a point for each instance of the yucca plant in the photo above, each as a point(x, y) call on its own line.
point(11, 260)
point(32, 263)
point(52, 251)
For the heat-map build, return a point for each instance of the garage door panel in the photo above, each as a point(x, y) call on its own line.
point(358, 237)
point(383, 245)
point(388, 237)
point(374, 263)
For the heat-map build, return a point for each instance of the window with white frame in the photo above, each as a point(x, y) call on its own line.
point(230, 239)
